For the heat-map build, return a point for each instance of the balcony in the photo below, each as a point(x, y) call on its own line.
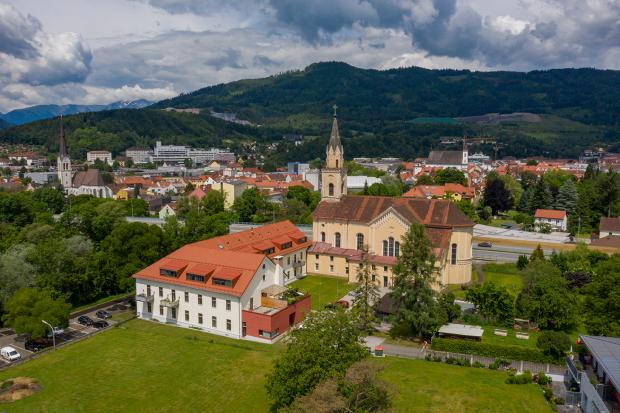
point(143, 298)
point(298, 264)
point(169, 303)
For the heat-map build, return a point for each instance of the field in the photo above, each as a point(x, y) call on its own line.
point(324, 289)
point(505, 275)
point(143, 366)
point(422, 386)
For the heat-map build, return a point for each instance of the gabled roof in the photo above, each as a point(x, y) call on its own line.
point(445, 157)
point(91, 177)
point(430, 212)
point(550, 214)
point(609, 224)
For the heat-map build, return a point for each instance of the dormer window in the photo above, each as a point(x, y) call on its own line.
point(269, 250)
point(287, 245)
point(224, 283)
point(167, 273)
point(195, 277)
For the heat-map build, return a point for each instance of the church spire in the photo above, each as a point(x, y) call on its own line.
point(63, 144)
point(334, 139)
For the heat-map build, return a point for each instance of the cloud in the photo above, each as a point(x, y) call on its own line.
point(17, 32)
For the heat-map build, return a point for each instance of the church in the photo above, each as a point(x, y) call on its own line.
point(89, 182)
point(344, 225)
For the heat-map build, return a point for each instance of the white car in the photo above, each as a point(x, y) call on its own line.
point(9, 353)
point(57, 331)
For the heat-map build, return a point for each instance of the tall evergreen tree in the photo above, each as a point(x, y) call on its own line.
point(418, 311)
point(540, 197)
point(567, 197)
point(367, 295)
point(497, 196)
point(608, 187)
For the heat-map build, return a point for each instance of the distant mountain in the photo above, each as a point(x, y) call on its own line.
point(38, 112)
point(397, 112)
point(4, 124)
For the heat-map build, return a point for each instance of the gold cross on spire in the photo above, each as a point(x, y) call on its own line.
point(335, 108)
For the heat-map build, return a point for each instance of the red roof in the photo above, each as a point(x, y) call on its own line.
point(550, 214)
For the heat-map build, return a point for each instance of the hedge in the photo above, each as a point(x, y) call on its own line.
point(491, 350)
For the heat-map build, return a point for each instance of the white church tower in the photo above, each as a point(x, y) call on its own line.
point(334, 174)
point(63, 163)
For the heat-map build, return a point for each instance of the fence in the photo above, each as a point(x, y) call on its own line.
point(520, 365)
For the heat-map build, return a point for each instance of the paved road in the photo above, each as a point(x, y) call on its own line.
point(503, 253)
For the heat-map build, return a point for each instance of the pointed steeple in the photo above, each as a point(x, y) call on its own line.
point(63, 144)
point(334, 139)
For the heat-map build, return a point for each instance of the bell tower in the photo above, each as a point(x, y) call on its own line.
point(63, 163)
point(334, 175)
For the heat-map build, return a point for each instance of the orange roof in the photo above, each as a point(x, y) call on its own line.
point(550, 214)
point(238, 267)
point(259, 239)
point(438, 191)
point(197, 193)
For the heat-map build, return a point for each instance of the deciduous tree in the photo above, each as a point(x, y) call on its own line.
point(27, 307)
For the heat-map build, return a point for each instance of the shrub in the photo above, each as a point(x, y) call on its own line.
point(522, 262)
point(553, 343)
point(543, 379)
point(523, 378)
point(500, 362)
point(548, 393)
point(477, 365)
point(510, 352)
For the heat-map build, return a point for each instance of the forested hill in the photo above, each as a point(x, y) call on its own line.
point(398, 112)
point(585, 95)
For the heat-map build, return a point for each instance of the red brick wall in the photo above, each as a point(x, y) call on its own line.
point(280, 320)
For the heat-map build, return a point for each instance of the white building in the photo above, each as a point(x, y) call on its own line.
point(356, 183)
point(557, 219)
point(166, 211)
point(230, 285)
point(103, 156)
point(139, 155)
point(179, 153)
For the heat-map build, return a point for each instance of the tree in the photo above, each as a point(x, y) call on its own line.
point(251, 206)
point(538, 254)
point(601, 305)
point(450, 175)
point(545, 297)
point(608, 190)
point(52, 198)
point(492, 302)
point(366, 297)
point(567, 197)
point(27, 307)
point(514, 187)
point(418, 312)
point(522, 262)
point(448, 307)
point(213, 202)
point(425, 179)
point(528, 179)
point(540, 197)
point(326, 346)
point(497, 196)
point(553, 343)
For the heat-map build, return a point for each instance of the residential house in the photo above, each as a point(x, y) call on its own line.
point(556, 218)
point(167, 211)
point(456, 192)
point(103, 156)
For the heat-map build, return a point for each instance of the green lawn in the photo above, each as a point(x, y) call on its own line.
point(324, 289)
point(423, 386)
point(505, 275)
point(490, 337)
point(144, 366)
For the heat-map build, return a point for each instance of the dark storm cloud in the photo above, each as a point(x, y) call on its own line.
point(230, 58)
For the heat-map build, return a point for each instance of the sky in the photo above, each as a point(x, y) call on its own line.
point(101, 51)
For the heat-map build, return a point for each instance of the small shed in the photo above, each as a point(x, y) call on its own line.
point(453, 330)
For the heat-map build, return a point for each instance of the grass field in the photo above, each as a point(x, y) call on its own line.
point(144, 366)
point(505, 275)
point(490, 337)
point(422, 386)
point(324, 289)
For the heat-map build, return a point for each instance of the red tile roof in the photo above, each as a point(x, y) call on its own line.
point(550, 214)
point(609, 224)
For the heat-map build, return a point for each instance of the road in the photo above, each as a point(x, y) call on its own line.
point(503, 253)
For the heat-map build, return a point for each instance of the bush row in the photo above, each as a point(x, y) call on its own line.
point(491, 350)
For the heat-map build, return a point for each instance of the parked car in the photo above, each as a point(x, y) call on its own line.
point(100, 324)
point(485, 244)
point(113, 308)
point(57, 331)
point(35, 345)
point(9, 353)
point(85, 320)
point(103, 314)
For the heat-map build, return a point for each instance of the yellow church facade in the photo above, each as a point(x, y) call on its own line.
point(345, 225)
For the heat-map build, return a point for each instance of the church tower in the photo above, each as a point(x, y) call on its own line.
point(334, 175)
point(63, 163)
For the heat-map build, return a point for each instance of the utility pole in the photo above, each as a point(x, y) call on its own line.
point(53, 332)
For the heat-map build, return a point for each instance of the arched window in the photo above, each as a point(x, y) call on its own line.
point(385, 248)
point(360, 241)
point(336, 163)
point(337, 239)
point(453, 257)
point(331, 189)
point(391, 247)
point(322, 237)
point(397, 249)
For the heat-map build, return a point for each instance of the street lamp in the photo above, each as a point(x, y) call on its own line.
point(53, 332)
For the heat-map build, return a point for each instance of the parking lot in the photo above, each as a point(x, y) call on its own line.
point(73, 332)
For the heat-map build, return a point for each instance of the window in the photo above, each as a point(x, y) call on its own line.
point(263, 266)
point(161, 292)
point(268, 334)
point(225, 283)
point(199, 318)
point(228, 325)
point(214, 322)
point(288, 260)
point(161, 310)
point(173, 294)
point(373, 278)
point(167, 273)
point(149, 307)
point(397, 249)
point(287, 245)
point(148, 290)
point(453, 257)
point(385, 268)
point(186, 315)
point(391, 247)
point(195, 277)
point(213, 302)
point(199, 299)
point(269, 250)
point(331, 189)
point(322, 237)
point(316, 266)
point(337, 239)
point(316, 256)
point(331, 268)
point(336, 163)
point(173, 313)
point(263, 277)
point(346, 269)
point(186, 294)
point(301, 255)
point(227, 305)
point(385, 248)
point(360, 241)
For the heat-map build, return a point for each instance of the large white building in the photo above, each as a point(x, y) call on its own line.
point(231, 285)
point(139, 155)
point(103, 156)
point(179, 153)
